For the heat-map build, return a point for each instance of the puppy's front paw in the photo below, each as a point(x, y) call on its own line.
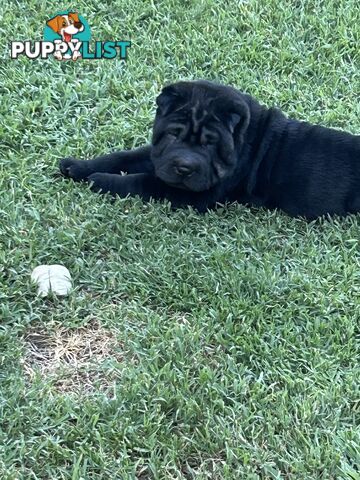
point(75, 169)
point(100, 182)
point(76, 55)
point(58, 55)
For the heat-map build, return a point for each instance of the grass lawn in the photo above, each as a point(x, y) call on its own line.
point(217, 346)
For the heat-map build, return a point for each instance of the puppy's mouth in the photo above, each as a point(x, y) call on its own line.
point(182, 186)
point(172, 183)
point(67, 37)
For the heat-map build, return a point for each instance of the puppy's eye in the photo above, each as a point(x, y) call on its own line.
point(175, 132)
point(64, 24)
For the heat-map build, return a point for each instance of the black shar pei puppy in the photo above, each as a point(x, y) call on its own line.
point(212, 144)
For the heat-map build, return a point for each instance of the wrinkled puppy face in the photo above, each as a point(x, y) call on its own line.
point(198, 131)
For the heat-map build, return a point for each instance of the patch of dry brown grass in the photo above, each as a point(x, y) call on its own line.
point(74, 359)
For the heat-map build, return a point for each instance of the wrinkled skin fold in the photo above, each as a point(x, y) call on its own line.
point(212, 144)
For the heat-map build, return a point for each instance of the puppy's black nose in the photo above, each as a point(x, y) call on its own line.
point(78, 24)
point(184, 169)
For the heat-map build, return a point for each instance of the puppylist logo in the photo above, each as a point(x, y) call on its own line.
point(67, 37)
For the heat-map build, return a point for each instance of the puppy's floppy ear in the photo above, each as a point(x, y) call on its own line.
point(239, 117)
point(170, 98)
point(74, 16)
point(55, 23)
point(234, 112)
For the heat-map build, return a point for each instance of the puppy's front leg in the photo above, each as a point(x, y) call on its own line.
point(76, 54)
point(148, 186)
point(132, 161)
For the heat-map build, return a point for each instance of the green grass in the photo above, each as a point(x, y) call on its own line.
point(237, 355)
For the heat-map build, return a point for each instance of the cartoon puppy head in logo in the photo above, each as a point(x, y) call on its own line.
point(66, 25)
